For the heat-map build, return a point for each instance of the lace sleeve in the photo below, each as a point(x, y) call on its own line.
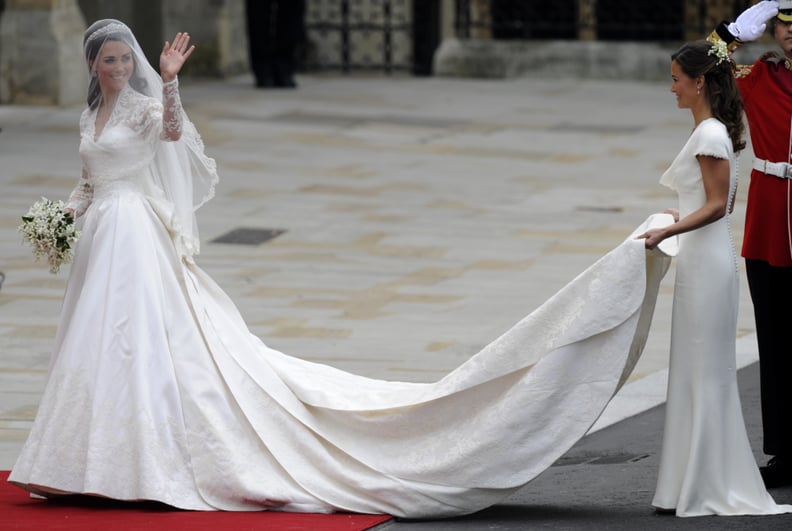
point(82, 195)
point(172, 111)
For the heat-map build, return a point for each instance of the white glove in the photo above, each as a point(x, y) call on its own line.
point(752, 22)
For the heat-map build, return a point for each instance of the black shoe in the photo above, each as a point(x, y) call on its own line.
point(777, 472)
point(285, 82)
point(283, 74)
point(264, 82)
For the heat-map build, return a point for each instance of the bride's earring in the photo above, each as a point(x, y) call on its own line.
point(698, 89)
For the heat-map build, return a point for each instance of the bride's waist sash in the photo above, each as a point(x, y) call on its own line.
point(104, 187)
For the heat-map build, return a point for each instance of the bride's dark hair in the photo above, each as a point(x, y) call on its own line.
point(92, 46)
point(698, 58)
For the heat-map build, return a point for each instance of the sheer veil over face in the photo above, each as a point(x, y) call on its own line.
point(113, 32)
point(182, 176)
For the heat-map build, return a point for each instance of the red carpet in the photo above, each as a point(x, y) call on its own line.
point(19, 511)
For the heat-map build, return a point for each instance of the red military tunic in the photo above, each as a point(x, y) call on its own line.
point(766, 88)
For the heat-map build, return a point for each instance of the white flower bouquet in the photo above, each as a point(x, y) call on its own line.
point(51, 232)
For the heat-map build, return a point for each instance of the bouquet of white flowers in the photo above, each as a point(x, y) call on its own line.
point(50, 231)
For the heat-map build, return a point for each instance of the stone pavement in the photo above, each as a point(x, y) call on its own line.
point(422, 217)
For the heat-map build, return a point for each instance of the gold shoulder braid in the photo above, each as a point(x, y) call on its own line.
point(776, 58)
point(743, 71)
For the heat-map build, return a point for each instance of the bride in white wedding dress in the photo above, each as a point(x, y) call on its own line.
point(158, 391)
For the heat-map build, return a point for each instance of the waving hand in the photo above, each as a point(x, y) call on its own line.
point(174, 55)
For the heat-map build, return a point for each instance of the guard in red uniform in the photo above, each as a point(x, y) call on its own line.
point(766, 88)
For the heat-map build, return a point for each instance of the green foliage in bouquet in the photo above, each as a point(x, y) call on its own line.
point(51, 232)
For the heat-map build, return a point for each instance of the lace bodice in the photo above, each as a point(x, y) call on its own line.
point(127, 144)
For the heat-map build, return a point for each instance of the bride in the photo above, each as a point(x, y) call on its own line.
point(158, 391)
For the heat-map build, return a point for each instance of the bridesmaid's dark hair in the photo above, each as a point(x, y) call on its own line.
point(698, 58)
point(92, 47)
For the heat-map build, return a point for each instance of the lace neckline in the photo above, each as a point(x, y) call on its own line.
point(97, 133)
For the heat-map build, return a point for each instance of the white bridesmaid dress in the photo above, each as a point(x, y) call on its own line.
point(707, 465)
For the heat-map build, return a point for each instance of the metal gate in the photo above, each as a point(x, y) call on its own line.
point(359, 35)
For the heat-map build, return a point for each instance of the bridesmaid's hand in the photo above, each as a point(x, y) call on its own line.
point(174, 56)
point(673, 211)
point(652, 237)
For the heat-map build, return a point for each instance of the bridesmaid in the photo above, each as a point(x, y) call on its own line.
point(707, 465)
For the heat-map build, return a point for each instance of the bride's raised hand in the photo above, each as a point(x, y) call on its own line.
point(174, 55)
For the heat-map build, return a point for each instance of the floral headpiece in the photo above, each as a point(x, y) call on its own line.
point(720, 50)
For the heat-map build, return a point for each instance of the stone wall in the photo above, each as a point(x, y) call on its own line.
point(42, 59)
point(574, 59)
point(648, 61)
point(217, 28)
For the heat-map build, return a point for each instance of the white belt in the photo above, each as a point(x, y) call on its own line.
point(779, 169)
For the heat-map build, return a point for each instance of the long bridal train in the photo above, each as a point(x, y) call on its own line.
point(180, 403)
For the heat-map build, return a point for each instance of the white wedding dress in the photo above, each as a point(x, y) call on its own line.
point(707, 465)
point(157, 390)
